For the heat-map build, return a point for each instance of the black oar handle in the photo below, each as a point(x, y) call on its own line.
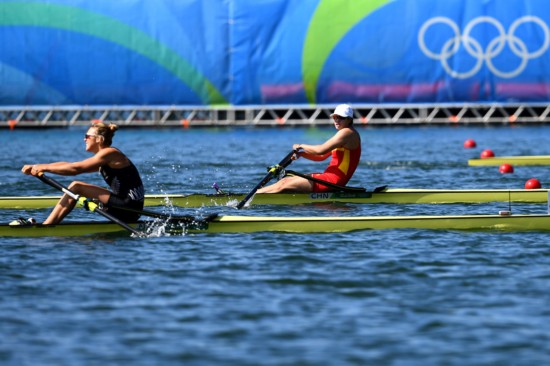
point(92, 206)
point(288, 159)
point(272, 171)
point(158, 215)
point(51, 182)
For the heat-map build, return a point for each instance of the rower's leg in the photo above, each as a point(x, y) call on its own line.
point(289, 184)
point(66, 203)
point(61, 209)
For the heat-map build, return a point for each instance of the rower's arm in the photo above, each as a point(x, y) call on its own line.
point(310, 156)
point(323, 151)
point(89, 165)
point(65, 168)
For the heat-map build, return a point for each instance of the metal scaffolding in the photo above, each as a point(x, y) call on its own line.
point(272, 115)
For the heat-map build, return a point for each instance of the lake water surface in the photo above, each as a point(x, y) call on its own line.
point(399, 297)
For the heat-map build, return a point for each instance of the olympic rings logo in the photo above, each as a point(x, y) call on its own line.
point(475, 49)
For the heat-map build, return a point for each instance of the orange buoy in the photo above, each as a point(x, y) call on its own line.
point(506, 169)
point(487, 154)
point(532, 183)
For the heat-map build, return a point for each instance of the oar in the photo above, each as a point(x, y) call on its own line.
point(380, 189)
point(158, 215)
point(271, 173)
point(325, 183)
point(171, 220)
point(92, 206)
point(336, 186)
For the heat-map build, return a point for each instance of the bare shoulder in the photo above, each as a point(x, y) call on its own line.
point(348, 133)
point(350, 137)
point(109, 152)
point(113, 156)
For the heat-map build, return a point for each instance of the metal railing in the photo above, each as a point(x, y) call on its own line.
point(269, 115)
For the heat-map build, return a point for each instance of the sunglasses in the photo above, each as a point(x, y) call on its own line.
point(86, 136)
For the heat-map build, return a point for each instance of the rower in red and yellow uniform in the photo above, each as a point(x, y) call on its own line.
point(345, 149)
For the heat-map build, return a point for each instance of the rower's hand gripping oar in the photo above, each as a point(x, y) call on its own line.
point(274, 170)
point(89, 205)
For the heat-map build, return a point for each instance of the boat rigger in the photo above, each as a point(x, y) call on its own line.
point(251, 224)
point(390, 196)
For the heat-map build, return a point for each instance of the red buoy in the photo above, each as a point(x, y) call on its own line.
point(532, 183)
point(506, 169)
point(487, 154)
point(469, 144)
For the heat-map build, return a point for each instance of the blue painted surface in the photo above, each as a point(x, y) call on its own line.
point(243, 52)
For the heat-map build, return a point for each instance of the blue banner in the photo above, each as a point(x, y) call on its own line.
point(242, 52)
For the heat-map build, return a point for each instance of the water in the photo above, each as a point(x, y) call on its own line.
point(400, 297)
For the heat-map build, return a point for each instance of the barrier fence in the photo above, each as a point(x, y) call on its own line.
point(272, 116)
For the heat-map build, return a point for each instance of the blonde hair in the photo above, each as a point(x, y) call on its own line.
point(107, 131)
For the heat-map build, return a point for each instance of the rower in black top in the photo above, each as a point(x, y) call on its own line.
point(118, 171)
point(126, 191)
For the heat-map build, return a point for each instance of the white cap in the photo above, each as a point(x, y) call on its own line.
point(343, 110)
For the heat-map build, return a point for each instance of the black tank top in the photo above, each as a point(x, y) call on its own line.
point(125, 183)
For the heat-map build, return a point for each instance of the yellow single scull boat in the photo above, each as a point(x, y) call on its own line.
point(512, 160)
point(251, 224)
point(391, 196)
